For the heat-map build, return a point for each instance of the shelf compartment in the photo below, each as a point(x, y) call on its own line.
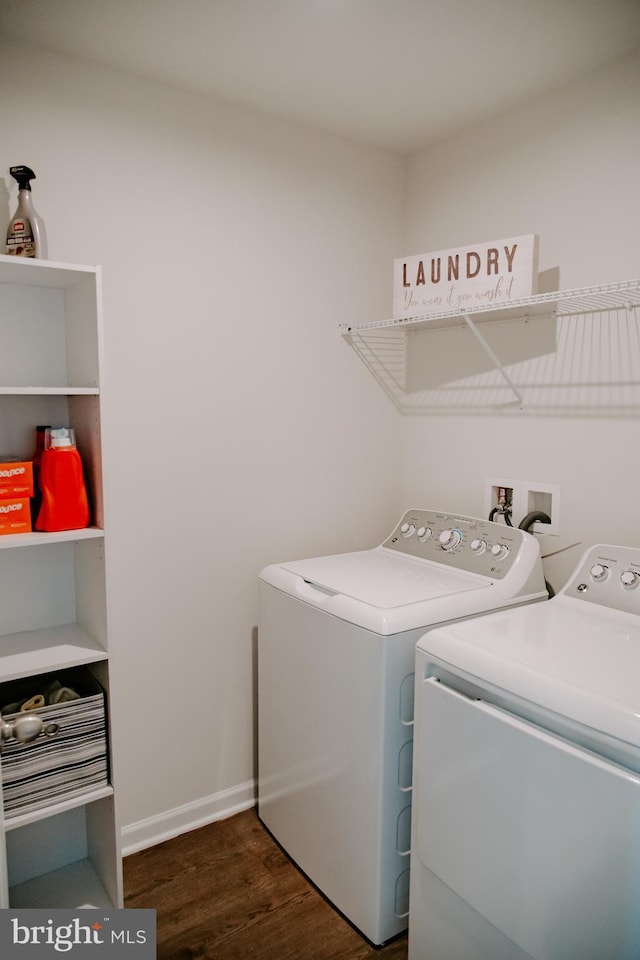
point(50, 325)
point(60, 583)
point(67, 860)
point(72, 761)
point(22, 409)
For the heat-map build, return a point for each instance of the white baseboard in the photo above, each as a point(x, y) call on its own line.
point(171, 823)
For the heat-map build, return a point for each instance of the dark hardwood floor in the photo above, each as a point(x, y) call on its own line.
point(228, 892)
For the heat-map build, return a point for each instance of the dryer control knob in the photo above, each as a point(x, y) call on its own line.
point(407, 529)
point(599, 571)
point(499, 550)
point(449, 539)
point(478, 547)
point(424, 533)
point(629, 579)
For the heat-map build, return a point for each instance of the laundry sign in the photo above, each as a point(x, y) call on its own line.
point(465, 278)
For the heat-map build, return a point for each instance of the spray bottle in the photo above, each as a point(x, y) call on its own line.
point(26, 236)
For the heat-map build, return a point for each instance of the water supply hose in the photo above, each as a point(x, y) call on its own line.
point(526, 523)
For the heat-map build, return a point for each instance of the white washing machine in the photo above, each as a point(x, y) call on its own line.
point(526, 832)
point(336, 645)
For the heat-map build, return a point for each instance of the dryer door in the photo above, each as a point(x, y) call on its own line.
point(539, 837)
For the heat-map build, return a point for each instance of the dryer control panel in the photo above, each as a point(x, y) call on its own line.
point(464, 543)
point(608, 575)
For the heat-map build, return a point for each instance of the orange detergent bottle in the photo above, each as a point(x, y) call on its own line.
point(65, 505)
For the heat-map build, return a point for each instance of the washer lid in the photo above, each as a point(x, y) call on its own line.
point(581, 661)
point(383, 579)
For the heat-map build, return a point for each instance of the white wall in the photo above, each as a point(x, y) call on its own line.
point(241, 429)
point(564, 167)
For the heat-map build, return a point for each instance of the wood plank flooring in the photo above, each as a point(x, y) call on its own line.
point(228, 892)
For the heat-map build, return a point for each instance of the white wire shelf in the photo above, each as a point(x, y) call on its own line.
point(561, 303)
point(579, 355)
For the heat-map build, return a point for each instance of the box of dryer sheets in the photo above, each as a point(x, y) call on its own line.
point(16, 479)
point(15, 516)
point(68, 757)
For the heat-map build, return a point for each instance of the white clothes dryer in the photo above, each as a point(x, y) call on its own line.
point(336, 646)
point(526, 827)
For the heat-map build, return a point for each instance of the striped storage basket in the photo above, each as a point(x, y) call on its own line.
point(68, 759)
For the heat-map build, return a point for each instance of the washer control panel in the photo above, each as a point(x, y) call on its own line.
point(465, 543)
point(608, 575)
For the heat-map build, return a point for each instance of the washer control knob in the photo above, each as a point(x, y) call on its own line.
point(499, 550)
point(629, 579)
point(599, 571)
point(424, 533)
point(407, 529)
point(478, 546)
point(449, 539)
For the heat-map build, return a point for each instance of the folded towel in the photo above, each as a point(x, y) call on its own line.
point(52, 694)
point(56, 693)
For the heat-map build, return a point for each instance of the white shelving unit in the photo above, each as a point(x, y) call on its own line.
point(53, 599)
point(382, 345)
